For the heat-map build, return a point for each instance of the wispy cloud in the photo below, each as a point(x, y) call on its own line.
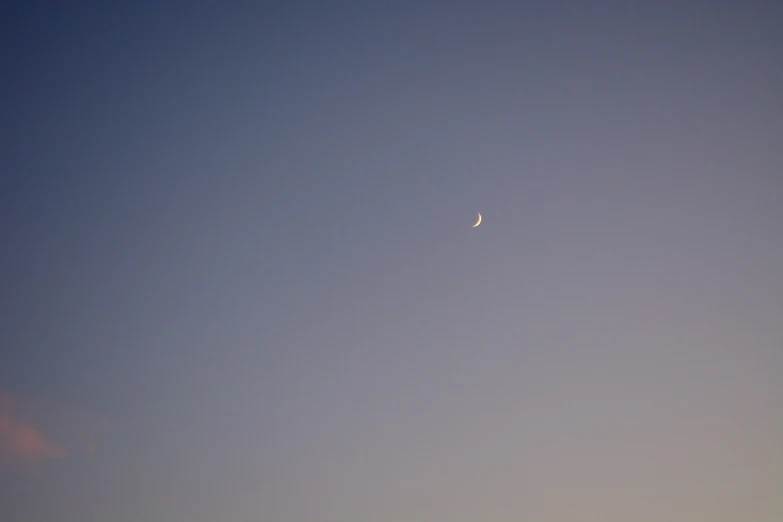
point(32, 433)
point(20, 440)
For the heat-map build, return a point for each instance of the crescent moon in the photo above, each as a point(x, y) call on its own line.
point(477, 222)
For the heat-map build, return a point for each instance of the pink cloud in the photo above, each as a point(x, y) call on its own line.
point(32, 432)
point(20, 440)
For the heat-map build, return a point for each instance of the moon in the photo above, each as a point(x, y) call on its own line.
point(477, 222)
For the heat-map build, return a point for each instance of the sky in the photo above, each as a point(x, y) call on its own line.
point(240, 283)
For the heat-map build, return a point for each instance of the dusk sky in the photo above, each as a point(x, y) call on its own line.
point(239, 281)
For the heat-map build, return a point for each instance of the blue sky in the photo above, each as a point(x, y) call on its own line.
point(240, 280)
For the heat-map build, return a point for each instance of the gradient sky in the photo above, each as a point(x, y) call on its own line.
point(240, 283)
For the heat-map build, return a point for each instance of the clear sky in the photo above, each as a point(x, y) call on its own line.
point(239, 281)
